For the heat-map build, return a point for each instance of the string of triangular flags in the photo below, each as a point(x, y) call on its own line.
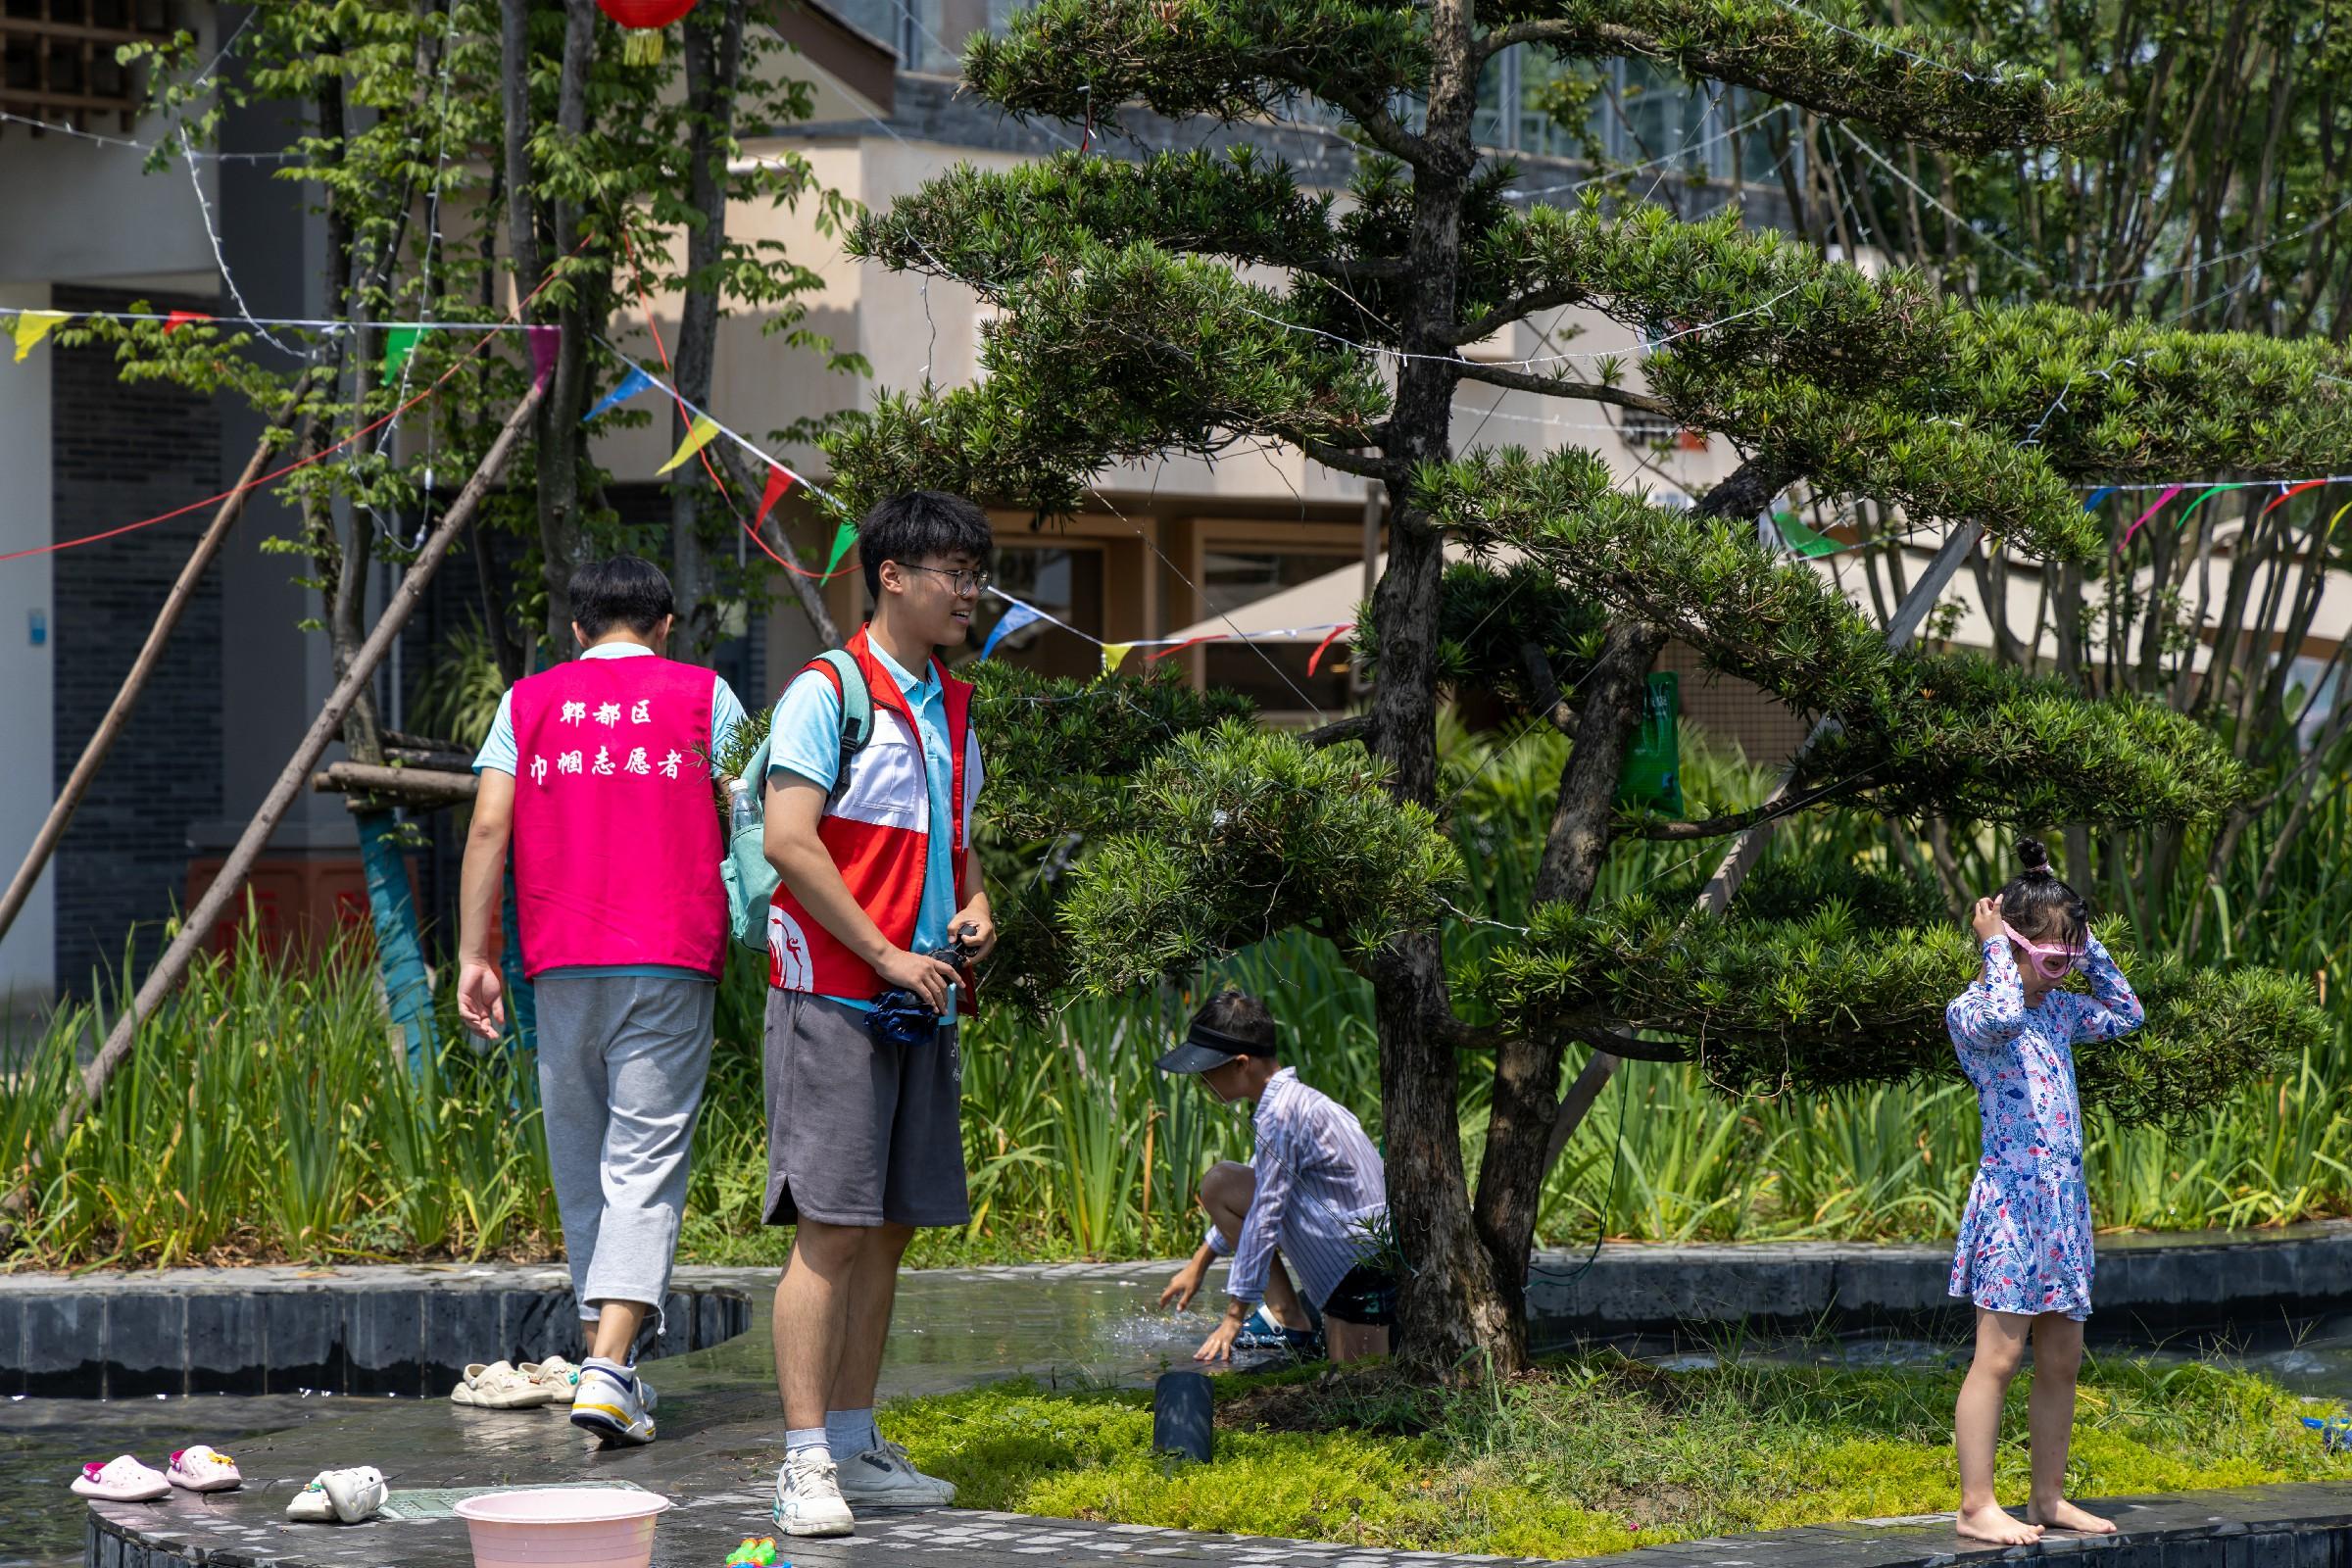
point(1020, 613)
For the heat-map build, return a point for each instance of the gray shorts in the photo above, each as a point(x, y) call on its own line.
point(860, 1131)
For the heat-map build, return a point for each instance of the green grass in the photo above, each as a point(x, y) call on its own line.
point(1588, 1456)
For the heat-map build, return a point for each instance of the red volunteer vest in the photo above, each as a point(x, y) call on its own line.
point(617, 837)
point(877, 827)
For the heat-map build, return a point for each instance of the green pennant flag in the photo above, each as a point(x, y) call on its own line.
point(842, 537)
point(398, 344)
point(1801, 539)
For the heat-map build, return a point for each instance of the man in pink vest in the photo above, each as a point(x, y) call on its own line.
point(600, 771)
point(864, 1141)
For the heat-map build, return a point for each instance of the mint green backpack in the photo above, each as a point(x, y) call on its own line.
point(751, 882)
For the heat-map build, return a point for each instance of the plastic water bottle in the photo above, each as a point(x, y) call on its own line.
point(742, 809)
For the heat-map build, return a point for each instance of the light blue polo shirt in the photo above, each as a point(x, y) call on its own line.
point(501, 753)
point(804, 740)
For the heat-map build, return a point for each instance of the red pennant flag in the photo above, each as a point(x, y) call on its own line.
point(544, 343)
point(779, 481)
point(1324, 647)
point(180, 318)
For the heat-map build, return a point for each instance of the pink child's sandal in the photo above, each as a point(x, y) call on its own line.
point(121, 1480)
point(203, 1468)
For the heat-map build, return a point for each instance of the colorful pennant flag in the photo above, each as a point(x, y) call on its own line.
point(698, 437)
point(35, 326)
point(1114, 654)
point(2284, 496)
point(631, 384)
point(1316, 657)
point(779, 481)
point(2169, 492)
point(844, 536)
point(1016, 616)
point(2097, 496)
point(398, 344)
point(1801, 539)
point(180, 318)
point(544, 342)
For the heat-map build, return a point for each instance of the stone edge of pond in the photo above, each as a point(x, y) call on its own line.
point(364, 1330)
point(2147, 1286)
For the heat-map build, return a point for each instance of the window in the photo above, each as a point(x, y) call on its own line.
point(1064, 582)
point(56, 57)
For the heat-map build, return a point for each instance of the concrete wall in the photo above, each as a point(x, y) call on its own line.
point(28, 656)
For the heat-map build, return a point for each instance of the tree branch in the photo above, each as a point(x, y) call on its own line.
point(1340, 731)
point(1715, 827)
point(1331, 457)
point(1553, 386)
point(1519, 306)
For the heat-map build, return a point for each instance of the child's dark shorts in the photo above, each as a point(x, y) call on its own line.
point(1367, 1296)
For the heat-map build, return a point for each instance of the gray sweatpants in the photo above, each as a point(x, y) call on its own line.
point(621, 1065)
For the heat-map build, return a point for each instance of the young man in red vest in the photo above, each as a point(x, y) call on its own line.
point(599, 770)
point(865, 1135)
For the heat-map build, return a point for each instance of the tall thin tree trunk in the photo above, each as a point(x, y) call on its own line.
point(713, 61)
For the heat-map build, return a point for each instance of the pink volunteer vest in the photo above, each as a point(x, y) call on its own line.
point(877, 827)
point(617, 837)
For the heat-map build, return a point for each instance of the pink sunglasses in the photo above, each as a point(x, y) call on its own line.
point(2052, 961)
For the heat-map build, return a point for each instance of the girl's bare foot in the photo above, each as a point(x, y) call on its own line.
point(1995, 1525)
point(2064, 1515)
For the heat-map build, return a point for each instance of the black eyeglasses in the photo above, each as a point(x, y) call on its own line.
point(963, 579)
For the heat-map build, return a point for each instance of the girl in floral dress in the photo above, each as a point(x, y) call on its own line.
point(2024, 1256)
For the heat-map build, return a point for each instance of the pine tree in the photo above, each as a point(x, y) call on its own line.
point(1124, 329)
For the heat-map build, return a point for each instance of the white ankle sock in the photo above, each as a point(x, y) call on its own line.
point(852, 1431)
point(801, 1443)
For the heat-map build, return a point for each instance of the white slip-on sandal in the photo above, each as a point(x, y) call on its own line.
point(121, 1478)
point(500, 1387)
point(557, 1376)
point(356, 1493)
point(202, 1467)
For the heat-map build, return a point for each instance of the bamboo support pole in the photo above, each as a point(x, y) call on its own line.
point(197, 928)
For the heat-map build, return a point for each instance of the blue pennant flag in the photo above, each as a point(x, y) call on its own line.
point(1016, 616)
point(631, 384)
point(2097, 496)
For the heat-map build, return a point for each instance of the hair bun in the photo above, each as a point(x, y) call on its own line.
point(2033, 859)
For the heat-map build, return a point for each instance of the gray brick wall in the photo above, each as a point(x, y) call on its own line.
point(121, 452)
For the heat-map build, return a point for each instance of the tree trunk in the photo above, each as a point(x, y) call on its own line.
point(713, 61)
point(1454, 1306)
point(1527, 1072)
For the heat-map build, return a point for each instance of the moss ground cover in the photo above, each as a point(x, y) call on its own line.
point(1591, 1455)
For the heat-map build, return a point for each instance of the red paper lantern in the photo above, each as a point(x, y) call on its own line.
point(641, 22)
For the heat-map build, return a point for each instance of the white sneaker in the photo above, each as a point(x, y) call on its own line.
point(886, 1478)
point(618, 1410)
point(809, 1500)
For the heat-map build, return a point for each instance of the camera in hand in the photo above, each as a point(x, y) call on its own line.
point(902, 1018)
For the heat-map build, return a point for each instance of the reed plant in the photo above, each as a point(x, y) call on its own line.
point(266, 1114)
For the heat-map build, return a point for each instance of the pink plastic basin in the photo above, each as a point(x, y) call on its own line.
point(579, 1527)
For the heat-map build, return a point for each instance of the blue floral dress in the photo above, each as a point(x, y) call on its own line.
point(2025, 1240)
